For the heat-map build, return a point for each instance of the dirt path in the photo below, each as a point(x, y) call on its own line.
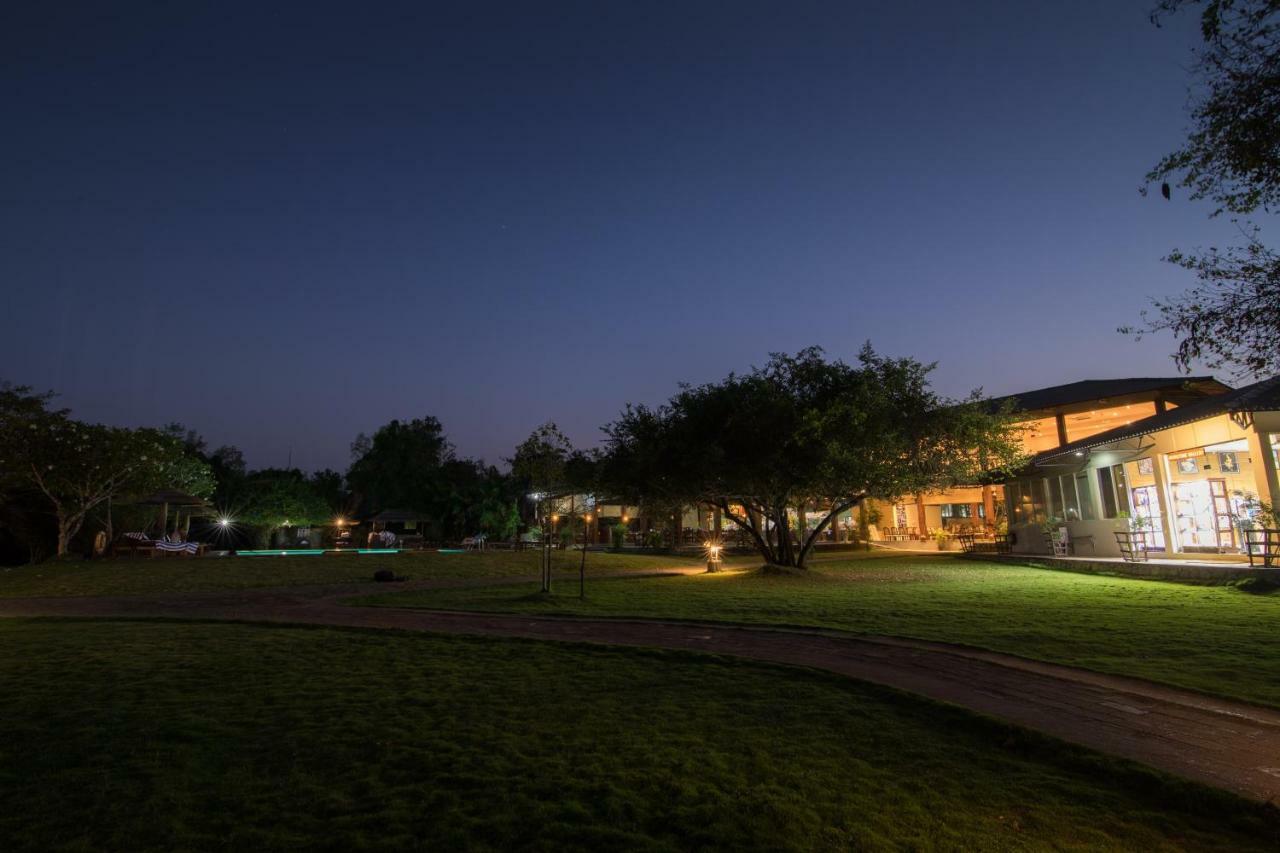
point(1229, 744)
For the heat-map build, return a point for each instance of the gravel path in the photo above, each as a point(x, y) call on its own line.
point(1221, 742)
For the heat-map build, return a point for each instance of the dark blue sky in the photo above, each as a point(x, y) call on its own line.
point(283, 226)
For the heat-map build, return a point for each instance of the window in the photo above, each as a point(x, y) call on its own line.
point(1026, 501)
point(1055, 507)
point(1107, 491)
point(1113, 491)
point(1086, 499)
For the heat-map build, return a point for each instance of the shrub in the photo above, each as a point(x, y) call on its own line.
point(618, 536)
point(1257, 585)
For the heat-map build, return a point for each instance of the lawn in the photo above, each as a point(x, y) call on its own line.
point(176, 574)
point(1215, 639)
point(162, 735)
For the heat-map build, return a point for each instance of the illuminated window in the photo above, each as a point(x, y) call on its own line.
point(1087, 424)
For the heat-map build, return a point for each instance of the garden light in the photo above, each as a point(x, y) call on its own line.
point(713, 556)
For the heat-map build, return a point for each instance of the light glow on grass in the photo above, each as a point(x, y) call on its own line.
point(1209, 638)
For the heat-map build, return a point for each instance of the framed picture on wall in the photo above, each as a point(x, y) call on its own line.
point(1228, 463)
point(1145, 468)
point(1190, 465)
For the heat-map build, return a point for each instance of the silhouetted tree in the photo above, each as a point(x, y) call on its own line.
point(799, 432)
point(1231, 157)
point(79, 466)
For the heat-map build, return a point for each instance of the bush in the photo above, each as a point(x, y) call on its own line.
point(618, 536)
point(1257, 585)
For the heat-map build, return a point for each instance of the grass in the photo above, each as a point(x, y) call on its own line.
point(163, 735)
point(175, 574)
point(1215, 639)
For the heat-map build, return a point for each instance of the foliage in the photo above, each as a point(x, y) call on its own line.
point(399, 466)
point(1231, 317)
point(412, 466)
point(538, 465)
point(78, 466)
point(1232, 153)
point(1232, 157)
point(273, 498)
point(803, 430)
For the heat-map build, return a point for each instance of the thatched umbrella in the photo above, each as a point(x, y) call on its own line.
point(180, 501)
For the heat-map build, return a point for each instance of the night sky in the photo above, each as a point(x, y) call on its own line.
point(284, 226)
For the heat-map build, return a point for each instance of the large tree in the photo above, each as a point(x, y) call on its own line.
point(274, 498)
point(803, 432)
point(400, 465)
point(77, 466)
point(1231, 157)
point(538, 465)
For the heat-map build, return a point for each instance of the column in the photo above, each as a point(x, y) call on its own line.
point(989, 505)
point(1264, 466)
point(1159, 470)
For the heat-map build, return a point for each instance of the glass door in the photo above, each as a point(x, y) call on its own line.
point(1146, 506)
point(1193, 513)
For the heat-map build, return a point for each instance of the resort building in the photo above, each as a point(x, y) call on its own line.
point(1187, 474)
point(1051, 418)
point(1184, 460)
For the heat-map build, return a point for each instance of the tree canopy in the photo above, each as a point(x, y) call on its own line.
point(1231, 157)
point(411, 465)
point(400, 465)
point(77, 466)
point(803, 432)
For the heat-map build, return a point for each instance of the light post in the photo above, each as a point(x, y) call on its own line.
point(582, 566)
point(714, 559)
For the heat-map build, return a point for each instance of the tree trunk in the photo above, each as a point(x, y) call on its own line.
point(68, 527)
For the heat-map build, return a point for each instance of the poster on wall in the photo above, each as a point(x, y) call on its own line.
point(1228, 463)
point(1145, 468)
point(1190, 465)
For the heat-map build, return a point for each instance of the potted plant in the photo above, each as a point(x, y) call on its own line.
point(1131, 536)
point(1259, 524)
point(942, 540)
point(1055, 531)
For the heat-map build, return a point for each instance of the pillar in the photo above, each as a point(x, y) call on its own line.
point(921, 519)
point(1159, 463)
point(989, 505)
point(1264, 466)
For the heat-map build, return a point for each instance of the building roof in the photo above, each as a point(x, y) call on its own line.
point(1176, 388)
point(1261, 396)
point(394, 515)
